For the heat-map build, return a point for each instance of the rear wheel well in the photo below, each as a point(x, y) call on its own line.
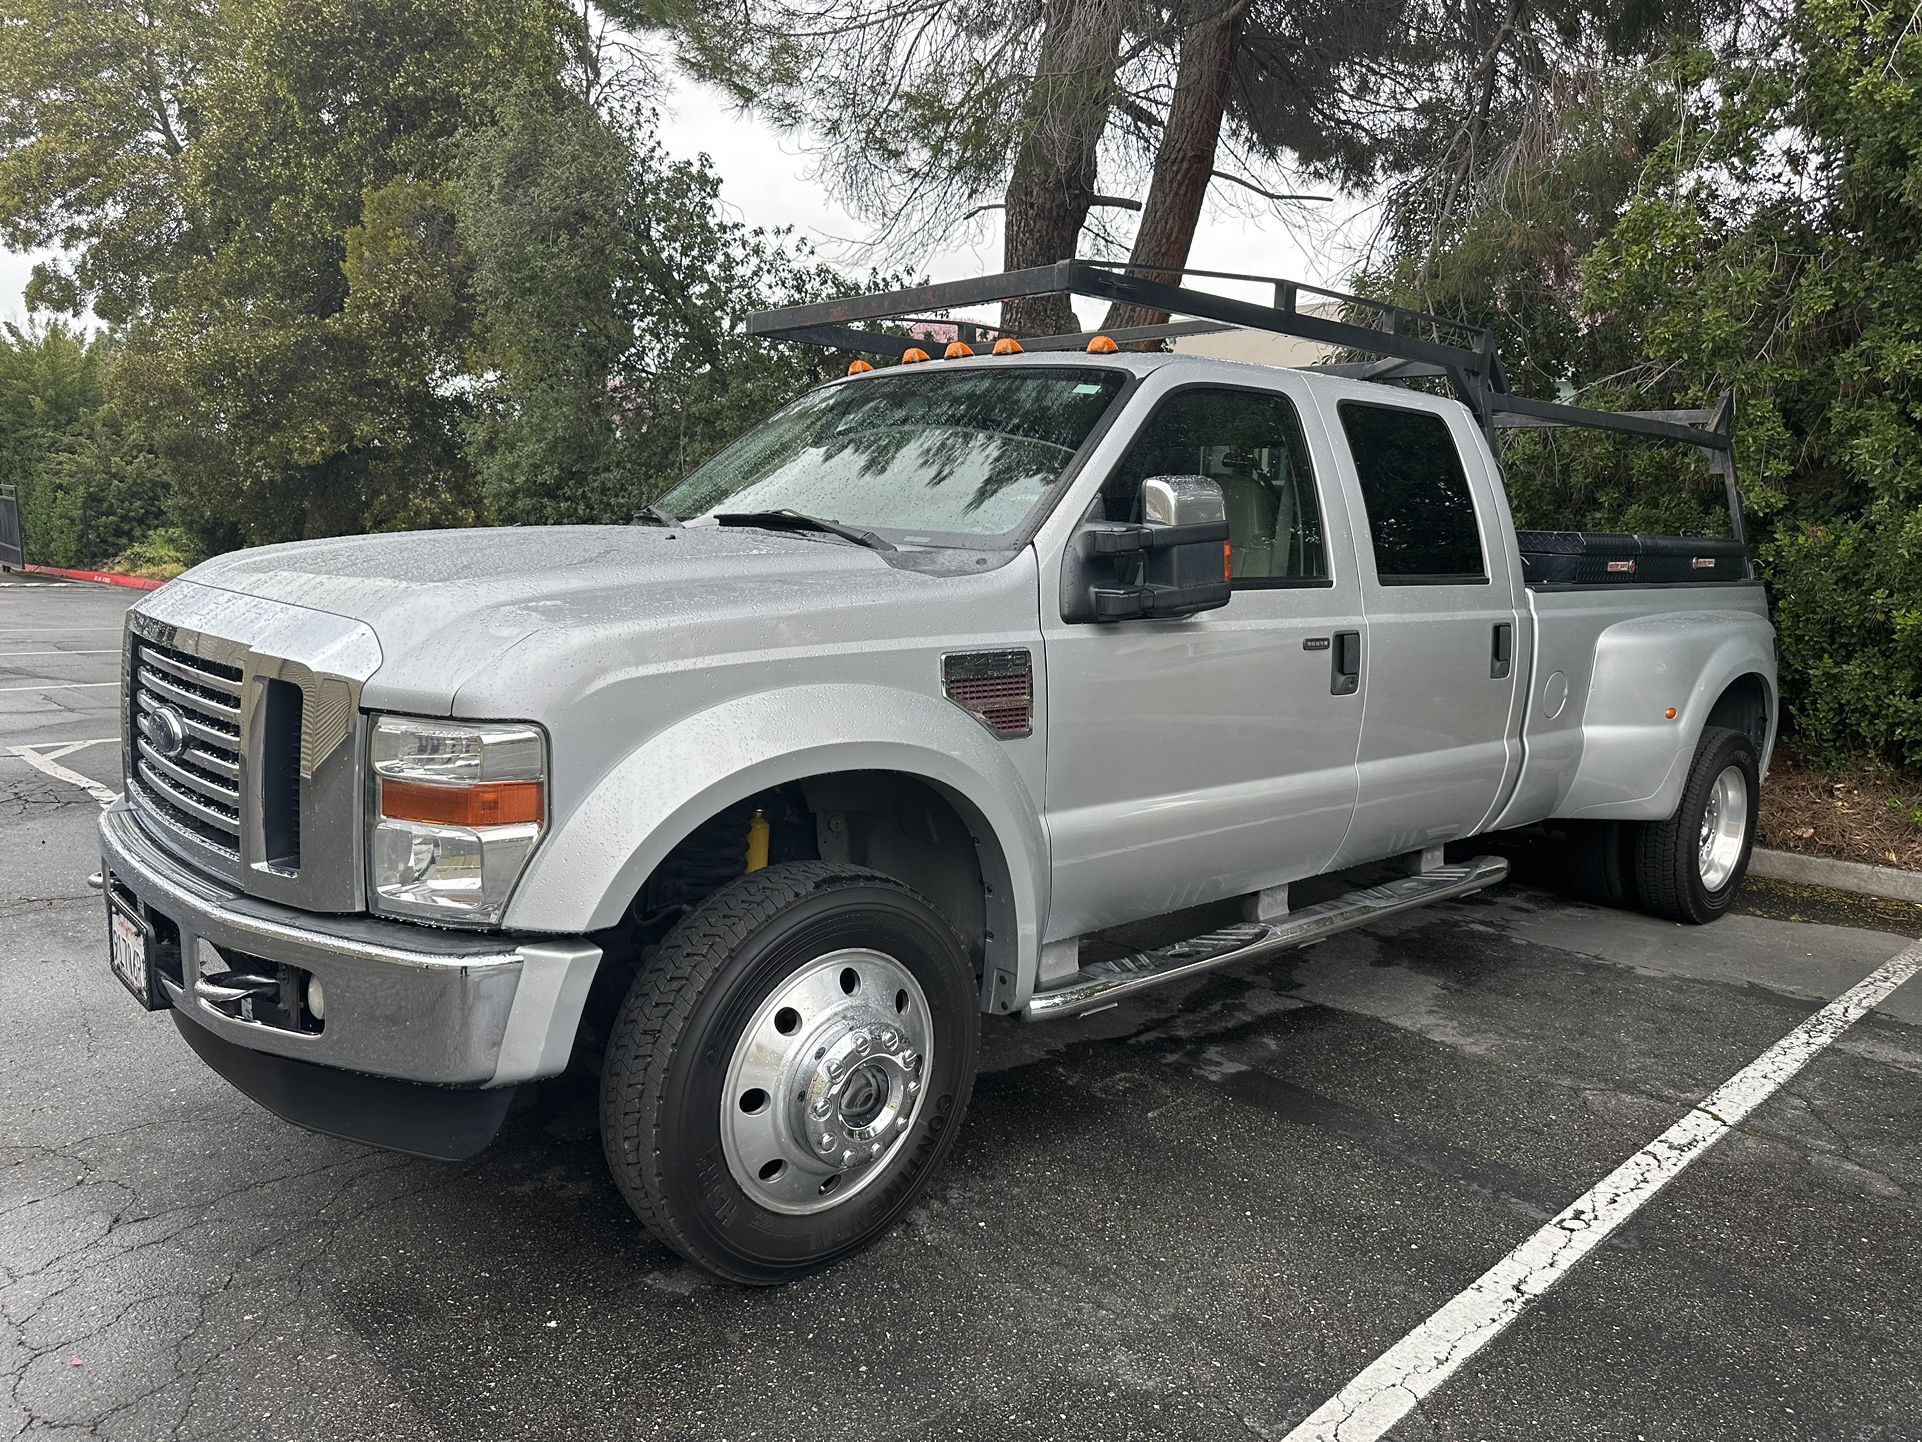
point(1744, 706)
point(901, 825)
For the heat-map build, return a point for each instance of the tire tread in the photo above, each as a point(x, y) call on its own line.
point(1664, 852)
point(653, 1022)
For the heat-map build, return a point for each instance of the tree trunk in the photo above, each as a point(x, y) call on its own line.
point(1186, 160)
point(1055, 168)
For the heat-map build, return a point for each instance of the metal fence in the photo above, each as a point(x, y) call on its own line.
point(11, 553)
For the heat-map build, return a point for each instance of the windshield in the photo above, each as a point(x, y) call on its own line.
point(930, 458)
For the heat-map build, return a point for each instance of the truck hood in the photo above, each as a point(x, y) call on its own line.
point(445, 604)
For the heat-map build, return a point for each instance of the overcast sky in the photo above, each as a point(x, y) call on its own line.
point(765, 181)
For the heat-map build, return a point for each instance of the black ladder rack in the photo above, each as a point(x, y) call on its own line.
point(1408, 344)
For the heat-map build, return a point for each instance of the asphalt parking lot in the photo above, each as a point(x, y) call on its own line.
point(1192, 1223)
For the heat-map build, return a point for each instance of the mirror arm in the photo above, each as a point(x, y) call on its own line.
point(1118, 538)
point(1126, 603)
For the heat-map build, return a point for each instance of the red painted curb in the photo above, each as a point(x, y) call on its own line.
point(100, 578)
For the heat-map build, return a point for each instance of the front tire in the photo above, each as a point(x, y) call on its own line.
point(788, 1073)
point(1688, 867)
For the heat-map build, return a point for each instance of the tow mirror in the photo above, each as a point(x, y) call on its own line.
point(1174, 563)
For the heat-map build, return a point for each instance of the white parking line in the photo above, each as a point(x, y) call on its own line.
point(1389, 1387)
point(114, 652)
point(44, 759)
point(63, 686)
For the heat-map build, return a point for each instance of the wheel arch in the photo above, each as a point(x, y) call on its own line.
point(1709, 668)
point(659, 795)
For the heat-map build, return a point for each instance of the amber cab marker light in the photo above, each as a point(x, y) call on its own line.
point(493, 803)
point(1102, 345)
point(859, 367)
point(1227, 560)
point(1007, 345)
point(956, 350)
point(912, 354)
point(1670, 713)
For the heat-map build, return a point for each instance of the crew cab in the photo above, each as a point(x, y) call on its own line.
point(983, 686)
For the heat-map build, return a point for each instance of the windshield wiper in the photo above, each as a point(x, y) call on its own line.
point(790, 520)
point(652, 515)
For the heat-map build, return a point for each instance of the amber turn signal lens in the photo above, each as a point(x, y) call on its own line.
point(1007, 345)
point(912, 354)
point(859, 367)
point(1227, 560)
point(956, 350)
point(1670, 713)
point(491, 803)
point(1102, 345)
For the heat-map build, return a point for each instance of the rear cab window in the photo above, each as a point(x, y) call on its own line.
point(1421, 511)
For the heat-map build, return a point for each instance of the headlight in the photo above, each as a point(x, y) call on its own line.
point(458, 808)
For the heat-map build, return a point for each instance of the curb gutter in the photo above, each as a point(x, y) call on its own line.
point(1865, 880)
point(99, 578)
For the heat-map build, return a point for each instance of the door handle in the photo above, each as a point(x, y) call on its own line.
point(1501, 655)
point(1344, 668)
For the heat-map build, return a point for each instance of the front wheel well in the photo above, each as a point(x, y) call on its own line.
point(903, 826)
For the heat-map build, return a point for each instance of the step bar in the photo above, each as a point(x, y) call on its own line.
point(1105, 983)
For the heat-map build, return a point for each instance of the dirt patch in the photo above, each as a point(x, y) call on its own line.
point(1868, 815)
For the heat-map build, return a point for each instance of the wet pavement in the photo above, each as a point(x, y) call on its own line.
point(1168, 1221)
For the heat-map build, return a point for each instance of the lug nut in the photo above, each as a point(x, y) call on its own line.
point(913, 1087)
point(875, 1150)
point(827, 1142)
point(847, 1157)
point(864, 1043)
point(912, 1061)
point(835, 1068)
point(901, 1124)
point(821, 1109)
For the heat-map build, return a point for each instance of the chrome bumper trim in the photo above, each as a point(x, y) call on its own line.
point(402, 1000)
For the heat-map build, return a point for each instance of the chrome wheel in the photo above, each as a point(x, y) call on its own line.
point(1724, 827)
point(826, 1081)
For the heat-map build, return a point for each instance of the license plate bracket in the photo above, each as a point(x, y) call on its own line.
point(131, 944)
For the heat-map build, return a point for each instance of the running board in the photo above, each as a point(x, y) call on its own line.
point(1105, 983)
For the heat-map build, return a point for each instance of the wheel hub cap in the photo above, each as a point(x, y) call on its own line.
point(826, 1081)
point(1724, 828)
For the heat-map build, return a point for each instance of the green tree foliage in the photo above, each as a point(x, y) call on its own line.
point(302, 369)
point(1747, 218)
point(371, 264)
point(98, 105)
point(87, 486)
point(609, 283)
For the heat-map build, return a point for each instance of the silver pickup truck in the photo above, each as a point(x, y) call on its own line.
point(1007, 684)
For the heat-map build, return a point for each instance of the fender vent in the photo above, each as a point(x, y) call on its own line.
point(997, 686)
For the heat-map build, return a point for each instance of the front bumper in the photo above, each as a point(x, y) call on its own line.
point(405, 1002)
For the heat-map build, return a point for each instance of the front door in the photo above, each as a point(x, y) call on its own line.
point(1212, 755)
point(1440, 702)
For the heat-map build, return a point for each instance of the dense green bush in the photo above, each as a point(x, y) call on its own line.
point(1751, 221)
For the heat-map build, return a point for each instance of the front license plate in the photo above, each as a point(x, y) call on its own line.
point(130, 949)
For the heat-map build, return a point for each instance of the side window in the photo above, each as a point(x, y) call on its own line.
point(1421, 513)
point(1251, 444)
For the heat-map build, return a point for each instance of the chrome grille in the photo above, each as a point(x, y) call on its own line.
point(194, 787)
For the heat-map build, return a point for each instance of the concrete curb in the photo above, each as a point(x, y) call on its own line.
point(1886, 881)
point(99, 578)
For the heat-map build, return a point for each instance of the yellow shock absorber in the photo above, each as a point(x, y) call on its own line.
point(757, 831)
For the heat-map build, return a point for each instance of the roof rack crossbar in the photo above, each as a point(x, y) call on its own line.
point(1473, 369)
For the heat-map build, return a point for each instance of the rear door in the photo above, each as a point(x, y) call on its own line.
point(1444, 648)
point(1202, 757)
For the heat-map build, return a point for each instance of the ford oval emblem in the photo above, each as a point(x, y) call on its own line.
point(167, 732)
